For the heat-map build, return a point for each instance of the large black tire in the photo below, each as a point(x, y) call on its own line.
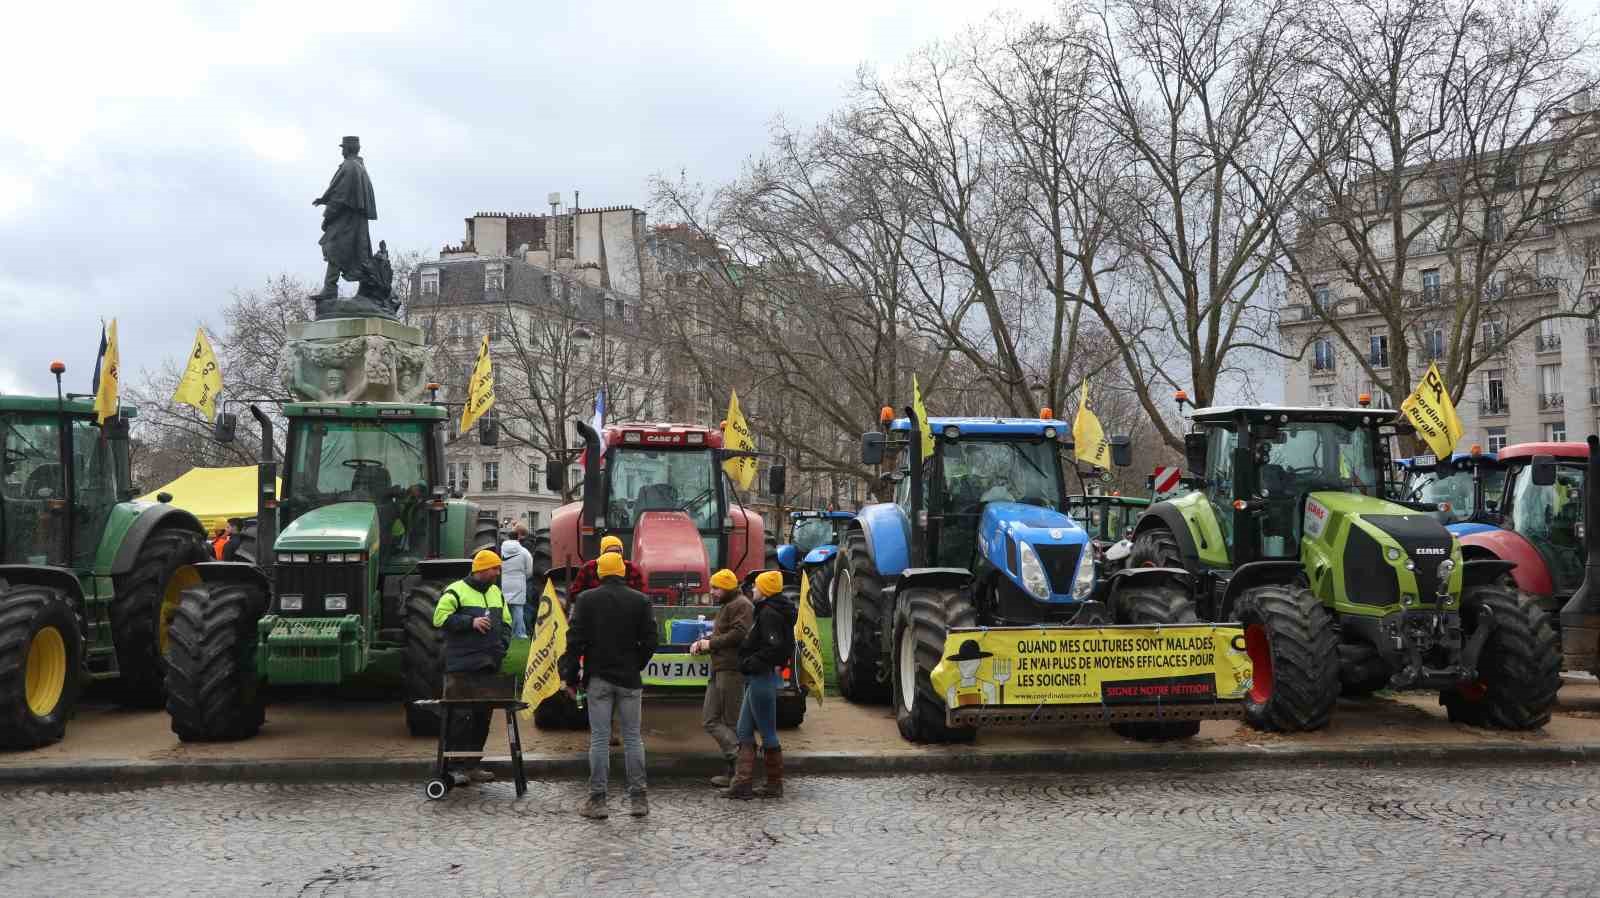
point(1155, 604)
point(1156, 547)
point(769, 558)
point(1362, 670)
point(485, 535)
point(422, 659)
point(247, 544)
point(146, 599)
point(821, 577)
point(858, 619)
point(923, 619)
point(1294, 655)
point(791, 711)
point(214, 693)
point(1519, 670)
point(41, 655)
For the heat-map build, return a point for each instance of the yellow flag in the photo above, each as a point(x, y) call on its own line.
point(480, 389)
point(202, 380)
point(542, 679)
point(808, 643)
point(1087, 436)
point(1431, 412)
point(736, 436)
point(106, 372)
point(922, 419)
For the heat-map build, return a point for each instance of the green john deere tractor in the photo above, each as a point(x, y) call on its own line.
point(1337, 587)
point(86, 572)
point(345, 569)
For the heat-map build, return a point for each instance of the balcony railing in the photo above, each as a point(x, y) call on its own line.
point(1551, 401)
point(1594, 395)
point(1592, 333)
point(1323, 368)
point(1547, 343)
point(1493, 407)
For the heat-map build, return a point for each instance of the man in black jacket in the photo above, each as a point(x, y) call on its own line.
point(614, 633)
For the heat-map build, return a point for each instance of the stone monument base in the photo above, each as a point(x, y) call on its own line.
point(354, 360)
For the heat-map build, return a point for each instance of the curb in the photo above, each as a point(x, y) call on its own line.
point(677, 765)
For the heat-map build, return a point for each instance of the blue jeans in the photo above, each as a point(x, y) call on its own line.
point(522, 619)
point(760, 709)
point(602, 697)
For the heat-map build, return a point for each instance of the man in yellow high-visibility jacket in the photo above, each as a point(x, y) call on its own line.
point(477, 633)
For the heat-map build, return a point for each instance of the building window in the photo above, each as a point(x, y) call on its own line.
point(495, 330)
point(1494, 229)
point(1430, 285)
point(1432, 343)
point(458, 477)
point(454, 329)
point(1321, 296)
point(1375, 392)
point(1544, 264)
point(494, 276)
point(1494, 336)
point(1550, 387)
point(1377, 349)
point(1495, 438)
point(491, 476)
point(1322, 354)
point(1322, 394)
point(1494, 392)
point(426, 324)
point(1556, 431)
point(430, 282)
point(535, 477)
point(534, 521)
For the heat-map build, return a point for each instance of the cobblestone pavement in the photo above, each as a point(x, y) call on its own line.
point(1335, 831)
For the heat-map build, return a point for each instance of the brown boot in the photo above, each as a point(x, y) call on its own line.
point(774, 784)
point(744, 771)
point(725, 779)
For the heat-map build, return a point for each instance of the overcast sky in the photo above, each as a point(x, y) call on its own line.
point(154, 156)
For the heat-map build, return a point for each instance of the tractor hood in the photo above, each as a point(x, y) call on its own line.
point(341, 527)
point(668, 548)
point(1377, 552)
point(1051, 535)
point(820, 555)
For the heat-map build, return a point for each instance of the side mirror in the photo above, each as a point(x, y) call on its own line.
point(555, 476)
point(1544, 470)
point(489, 431)
point(116, 427)
point(1121, 450)
point(872, 448)
point(1194, 452)
point(163, 497)
point(777, 479)
point(226, 428)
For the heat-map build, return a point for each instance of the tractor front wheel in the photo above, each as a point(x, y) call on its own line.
point(1294, 658)
point(923, 619)
point(214, 692)
point(1155, 605)
point(857, 617)
point(41, 651)
point(422, 661)
point(1156, 547)
point(1519, 669)
point(142, 612)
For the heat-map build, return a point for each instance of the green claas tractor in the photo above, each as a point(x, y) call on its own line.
point(345, 569)
point(88, 573)
point(1289, 532)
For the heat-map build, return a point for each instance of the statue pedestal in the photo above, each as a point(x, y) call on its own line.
point(354, 360)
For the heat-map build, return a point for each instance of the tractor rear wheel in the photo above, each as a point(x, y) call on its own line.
point(1519, 669)
point(858, 615)
point(214, 692)
point(247, 544)
point(486, 535)
point(41, 653)
point(923, 619)
point(821, 577)
point(142, 611)
point(540, 560)
point(1294, 658)
point(1156, 547)
point(422, 661)
point(1155, 604)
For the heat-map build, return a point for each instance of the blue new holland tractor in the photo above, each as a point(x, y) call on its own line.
point(813, 550)
point(977, 535)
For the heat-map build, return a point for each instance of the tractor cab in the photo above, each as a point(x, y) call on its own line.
point(1466, 488)
point(61, 475)
point(1541, 520)
point(814, 538)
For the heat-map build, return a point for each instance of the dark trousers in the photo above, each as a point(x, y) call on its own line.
point(468, 731)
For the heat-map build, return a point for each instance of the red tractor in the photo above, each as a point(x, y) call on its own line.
point(661, 489)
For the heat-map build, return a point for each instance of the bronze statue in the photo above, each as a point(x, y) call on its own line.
point(348, 204)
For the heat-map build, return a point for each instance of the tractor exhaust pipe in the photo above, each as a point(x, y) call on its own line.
point(593, 507)
point(1580, 617)
point(266, 492)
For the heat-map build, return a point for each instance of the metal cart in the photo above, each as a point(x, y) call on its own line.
point(475, 692)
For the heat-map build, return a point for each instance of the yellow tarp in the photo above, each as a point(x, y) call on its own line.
point(214, 494)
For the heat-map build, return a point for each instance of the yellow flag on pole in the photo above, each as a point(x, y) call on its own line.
point(106, 373)
point(1087, 435)
point(736, 435)
point(202, 379)
point(542, 678)
point(922, 419)
point(1431, 412)
point(808, 643)
point(480, 389)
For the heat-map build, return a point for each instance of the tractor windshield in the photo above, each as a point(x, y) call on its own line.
point(1454, 486)
point(664, 480)
point(353, 460)
point(1548, 516)
point(1306, 456)
point(810, 533)
point(30, 476)
point(976, 472)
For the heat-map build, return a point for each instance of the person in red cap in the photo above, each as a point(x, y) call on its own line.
point(588, 576)
point(725, 689)
point(765, 650)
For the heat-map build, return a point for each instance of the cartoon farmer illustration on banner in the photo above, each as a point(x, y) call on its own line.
point(970, 690)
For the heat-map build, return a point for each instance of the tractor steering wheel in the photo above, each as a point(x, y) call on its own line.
point(362, 463)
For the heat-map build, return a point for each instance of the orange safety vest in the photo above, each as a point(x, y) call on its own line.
point(218, 544)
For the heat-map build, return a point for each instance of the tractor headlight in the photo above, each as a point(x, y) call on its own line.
point(291, 602)
point(1446, 568)
point(337, 602)
point(1083, 583)
point(1392, 553)
point(1032, 571)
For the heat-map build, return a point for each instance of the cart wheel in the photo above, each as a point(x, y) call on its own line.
point(436, 789)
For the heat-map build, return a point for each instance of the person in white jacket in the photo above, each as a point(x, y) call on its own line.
point(515, 567)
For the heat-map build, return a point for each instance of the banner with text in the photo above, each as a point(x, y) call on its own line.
point(1092, 665)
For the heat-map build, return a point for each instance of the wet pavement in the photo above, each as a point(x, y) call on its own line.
point(1326, 831)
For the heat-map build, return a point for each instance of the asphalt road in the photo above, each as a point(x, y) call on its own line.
point(1337, 831)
